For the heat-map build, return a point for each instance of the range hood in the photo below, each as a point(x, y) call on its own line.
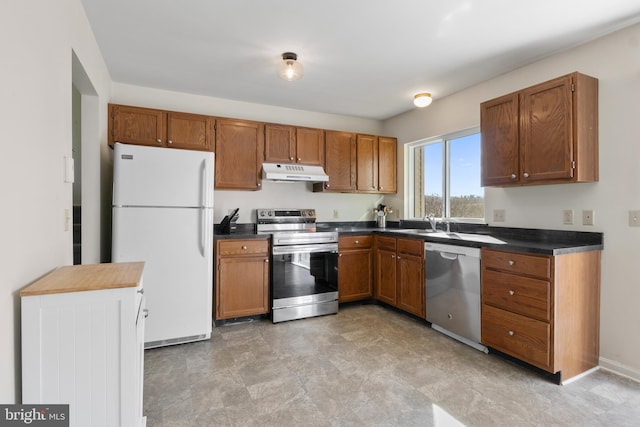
point(293, 172)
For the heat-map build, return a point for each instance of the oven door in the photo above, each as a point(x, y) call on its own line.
point(304, 281)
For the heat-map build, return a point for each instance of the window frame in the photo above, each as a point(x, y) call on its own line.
point(410, 179)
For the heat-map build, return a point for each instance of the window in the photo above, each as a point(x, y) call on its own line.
point(444, 177)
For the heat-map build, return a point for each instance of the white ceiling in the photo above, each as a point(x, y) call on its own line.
point(363, 58)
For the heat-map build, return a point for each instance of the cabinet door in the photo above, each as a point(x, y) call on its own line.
point(387, 164)
point(355, 271)
point(546, 132)
point(242, 287)
point(190, 131)
point(500, 144)
point(279, 143)
point(340, 156)
point(411, 284)
point(310, 146)
point(386, 276)
point(139, 126)
point(239, 153)
point(367, 163)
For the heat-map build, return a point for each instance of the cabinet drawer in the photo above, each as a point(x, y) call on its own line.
point(355, 242)
point(519, 336)
point(411, 246)
point(243, 247)
point(523, 295)
point(531, 265)
point(386, 243)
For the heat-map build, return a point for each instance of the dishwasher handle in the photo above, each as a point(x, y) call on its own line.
point(451, 250)
point(449, 255)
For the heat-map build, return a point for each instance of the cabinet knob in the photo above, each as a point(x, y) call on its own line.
point(290, 158)
point(244, 248)
point(511, 262)
point(393, 256)
point(266, 260)
point(513, 176)
point(339, 255)
point(510, 333)
point(327, 186)
point(169, 142)
point(299, 159)
point(357, 242)
point(259, 184)
point(526, 175)
point(159, 141)
point(381, 188)
point(512, 292)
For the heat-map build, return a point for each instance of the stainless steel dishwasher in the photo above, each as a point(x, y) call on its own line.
point(452, 278)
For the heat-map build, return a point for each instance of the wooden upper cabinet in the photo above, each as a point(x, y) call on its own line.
point(376, 159)
point(288, 144)
point(544, 134)
point(500, 155)
point(158, 128)
point(134, 125)
point(239, 154)
point(279, 143)
point(340, 162)
point(546, 131)
point(190, 131)
point(367, 163)
point(310, 146)
point(387, 165)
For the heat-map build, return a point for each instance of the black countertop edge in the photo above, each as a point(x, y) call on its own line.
point(547, 242)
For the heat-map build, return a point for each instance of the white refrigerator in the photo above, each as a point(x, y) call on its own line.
point(163, 215)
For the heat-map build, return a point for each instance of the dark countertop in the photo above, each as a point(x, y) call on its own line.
point(547, 242)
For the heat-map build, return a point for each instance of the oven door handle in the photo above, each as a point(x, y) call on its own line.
point(294, 240)
point(301, 249)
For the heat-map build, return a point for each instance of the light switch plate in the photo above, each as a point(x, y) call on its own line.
point(498, 215)
point(634, 218)
point(587, 217)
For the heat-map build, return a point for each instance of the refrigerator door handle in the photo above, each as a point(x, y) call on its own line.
point(203, 203)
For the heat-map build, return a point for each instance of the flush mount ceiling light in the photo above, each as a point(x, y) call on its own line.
point(422, 99)
point(290, 69)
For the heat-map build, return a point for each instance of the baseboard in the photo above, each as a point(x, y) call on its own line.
point(620, 369)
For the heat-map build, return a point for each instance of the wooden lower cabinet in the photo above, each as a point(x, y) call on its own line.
point(242, 278)
point(399, 267)
point(543, 310)
point(355, 268)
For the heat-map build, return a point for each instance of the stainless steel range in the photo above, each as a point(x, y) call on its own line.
point(304, 268)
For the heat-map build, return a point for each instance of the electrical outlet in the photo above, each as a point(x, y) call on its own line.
point(498, 215)
point(634, 218)
point(567, 216)
point(587, 217)
point(336, 214)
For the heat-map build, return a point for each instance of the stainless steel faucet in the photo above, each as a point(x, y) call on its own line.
point(432, 220)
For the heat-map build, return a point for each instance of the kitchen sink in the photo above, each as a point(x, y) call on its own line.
point(481, 238)
point(470, 237)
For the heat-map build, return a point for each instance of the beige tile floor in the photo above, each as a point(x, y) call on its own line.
point(366, 366)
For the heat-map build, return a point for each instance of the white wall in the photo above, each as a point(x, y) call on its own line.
point(351, 207)
point(36, 40)
point(615, 61)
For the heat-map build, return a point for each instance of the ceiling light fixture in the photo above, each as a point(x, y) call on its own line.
point(422, 99)
point(290, 69)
